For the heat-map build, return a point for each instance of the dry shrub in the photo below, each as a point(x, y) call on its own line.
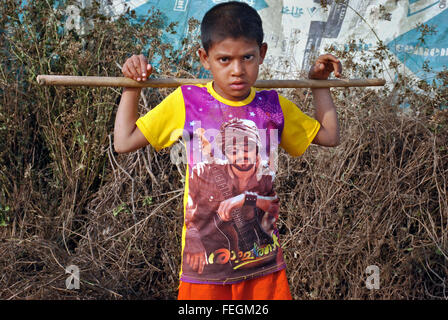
point(377, 199)
point(67, 198)
point(54, 144)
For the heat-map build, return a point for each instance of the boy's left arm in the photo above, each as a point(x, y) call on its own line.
point(325, 110)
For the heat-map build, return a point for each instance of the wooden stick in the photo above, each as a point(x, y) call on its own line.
point(60, 80)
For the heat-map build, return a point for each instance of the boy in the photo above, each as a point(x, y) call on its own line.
point(230, 243)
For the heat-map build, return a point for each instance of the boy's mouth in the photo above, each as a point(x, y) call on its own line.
point(238, 85)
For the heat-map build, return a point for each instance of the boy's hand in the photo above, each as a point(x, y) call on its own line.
point(325, 65)
point(226, 207)
point(197, 261)
point(137, 68)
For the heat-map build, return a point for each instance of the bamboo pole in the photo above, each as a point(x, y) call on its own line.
point(90, 81)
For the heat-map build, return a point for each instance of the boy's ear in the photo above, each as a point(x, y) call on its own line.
point(203, 58)
point(263, 50)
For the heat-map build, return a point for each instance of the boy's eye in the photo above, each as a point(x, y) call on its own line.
point(248, 57)
point(224, 59)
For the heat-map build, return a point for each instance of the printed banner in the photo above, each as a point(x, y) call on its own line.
point(297, 30)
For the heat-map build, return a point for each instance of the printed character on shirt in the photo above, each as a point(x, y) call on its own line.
point(230, 205)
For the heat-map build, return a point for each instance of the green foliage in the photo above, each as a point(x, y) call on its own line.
point(121, 208)
point(147, 201)
point(4, 218)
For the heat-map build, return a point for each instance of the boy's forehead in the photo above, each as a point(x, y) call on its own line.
point(231, 44)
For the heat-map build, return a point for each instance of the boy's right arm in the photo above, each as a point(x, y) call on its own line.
point(127, 136)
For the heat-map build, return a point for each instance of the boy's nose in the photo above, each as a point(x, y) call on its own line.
point(241, 154)
point(237, 68)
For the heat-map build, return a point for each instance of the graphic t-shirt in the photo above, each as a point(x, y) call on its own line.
point(230, 147)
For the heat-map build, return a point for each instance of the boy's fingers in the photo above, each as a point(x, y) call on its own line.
point(328, 57)
point(338, 69)
point(125, 71)
point(136, 67)
point(223, 210)
point(227, 210)
point(224, 207)
point(226, 214)
point(335, 67)
point(202, 264)
point(329, 62)
point(131, 70)
point(149, 69)
point(220, 210)
point(143, 66)
point(195, 263)
point(336, 64)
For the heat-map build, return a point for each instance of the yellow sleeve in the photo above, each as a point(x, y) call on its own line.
point(163, 125)
point(299, 129)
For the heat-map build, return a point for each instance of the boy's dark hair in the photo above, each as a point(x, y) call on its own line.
point(231, 20)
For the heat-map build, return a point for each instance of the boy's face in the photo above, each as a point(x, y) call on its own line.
point(242, 156)
point(234, 64)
